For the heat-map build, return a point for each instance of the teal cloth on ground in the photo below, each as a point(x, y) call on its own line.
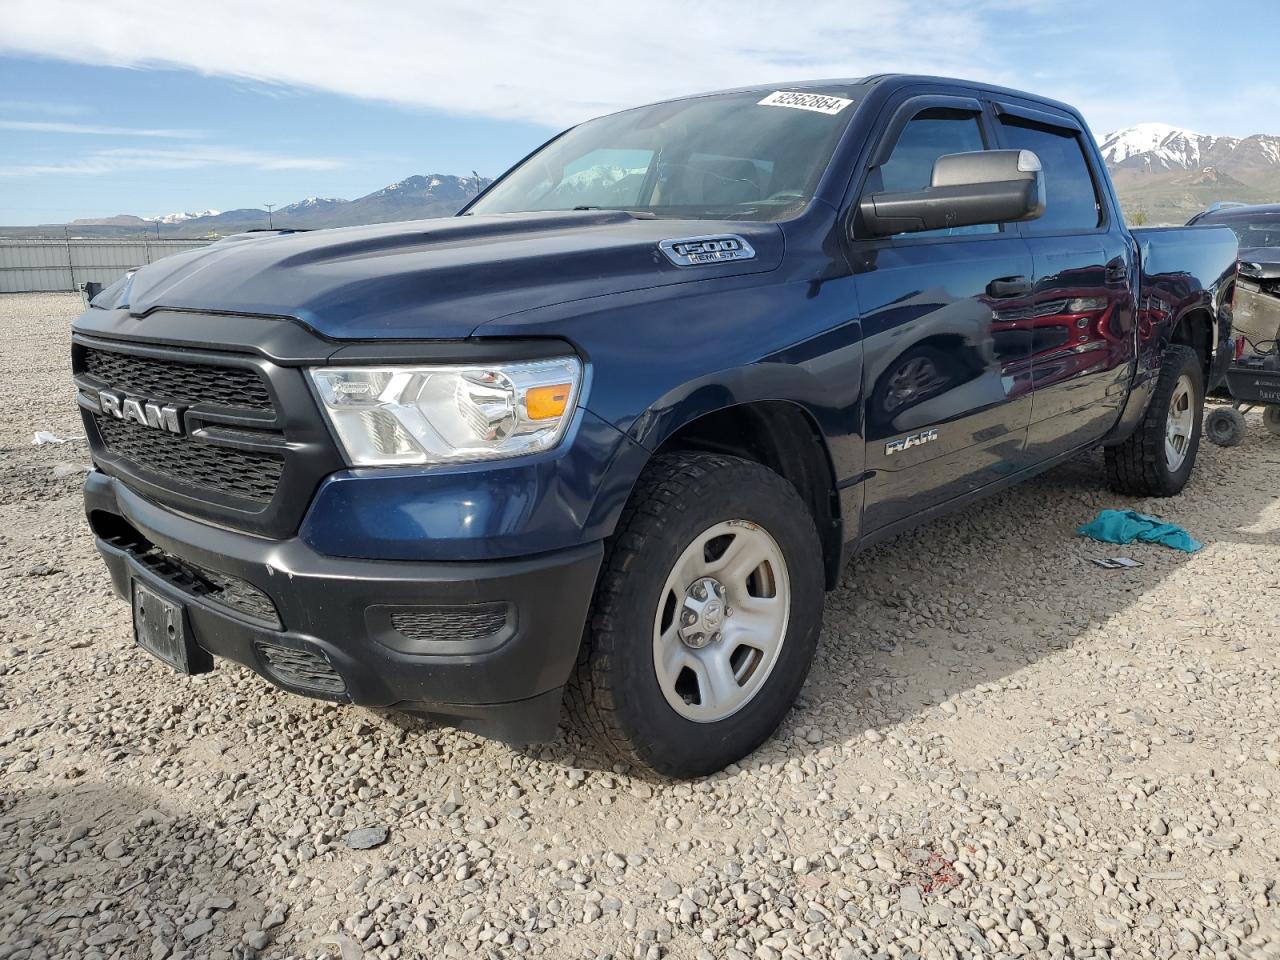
point(1126, 526)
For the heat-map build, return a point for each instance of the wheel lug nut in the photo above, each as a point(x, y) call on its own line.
point(690, 618)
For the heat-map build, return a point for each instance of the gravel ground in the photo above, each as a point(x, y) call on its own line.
point(1002, 750)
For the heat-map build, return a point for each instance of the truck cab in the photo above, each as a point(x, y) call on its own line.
point(600, 443)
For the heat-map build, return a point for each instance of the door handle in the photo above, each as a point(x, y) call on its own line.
point(1008, 287)
point(1117, 270)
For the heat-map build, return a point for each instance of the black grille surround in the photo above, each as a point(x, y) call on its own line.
point(251, 452)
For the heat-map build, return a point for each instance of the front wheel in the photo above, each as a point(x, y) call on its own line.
point(705, 618)
point(1157, 458)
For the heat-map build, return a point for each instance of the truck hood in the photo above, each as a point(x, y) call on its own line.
point(437, 279)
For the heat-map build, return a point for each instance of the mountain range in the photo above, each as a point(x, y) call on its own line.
point(1163, 175)
point(414, 198)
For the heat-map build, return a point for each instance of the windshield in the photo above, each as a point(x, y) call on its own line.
point(738, 156)
point(1253, 229)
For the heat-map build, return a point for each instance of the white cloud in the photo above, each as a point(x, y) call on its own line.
point(557, 62)
point(553, 63)
point(88, 129)
point(181, 158)
point(43, 106)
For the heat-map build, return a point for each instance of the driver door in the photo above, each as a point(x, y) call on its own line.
point(947, 396)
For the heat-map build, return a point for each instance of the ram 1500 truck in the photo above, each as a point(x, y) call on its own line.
point(605, 438)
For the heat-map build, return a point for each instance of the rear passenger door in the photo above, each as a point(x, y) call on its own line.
point(1081, 311)
point(947, 387)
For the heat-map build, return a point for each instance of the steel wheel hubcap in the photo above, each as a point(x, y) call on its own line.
point(1177, 430)
point(721, 621)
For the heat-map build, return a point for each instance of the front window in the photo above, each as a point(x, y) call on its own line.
point(727, 156)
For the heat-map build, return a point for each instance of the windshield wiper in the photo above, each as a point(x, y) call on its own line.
point(637, 214)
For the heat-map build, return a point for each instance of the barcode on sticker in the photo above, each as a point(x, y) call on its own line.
point(817, 102)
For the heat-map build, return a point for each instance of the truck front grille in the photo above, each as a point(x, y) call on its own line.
point(176, 381)
point(245, 445)
point(249, 474)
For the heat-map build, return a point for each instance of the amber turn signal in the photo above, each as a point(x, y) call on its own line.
point(547, 403)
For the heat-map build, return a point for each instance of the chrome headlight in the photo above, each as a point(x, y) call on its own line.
point(389, 415)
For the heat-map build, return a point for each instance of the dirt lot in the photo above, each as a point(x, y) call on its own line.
point(1002, 750)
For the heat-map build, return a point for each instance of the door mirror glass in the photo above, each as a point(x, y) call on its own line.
point(966, 189)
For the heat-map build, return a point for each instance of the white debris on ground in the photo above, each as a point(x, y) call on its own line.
point(1002, 750)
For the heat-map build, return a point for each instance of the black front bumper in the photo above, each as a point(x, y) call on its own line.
point(488, 646)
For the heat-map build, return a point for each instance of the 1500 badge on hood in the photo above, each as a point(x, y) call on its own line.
point(695, 251)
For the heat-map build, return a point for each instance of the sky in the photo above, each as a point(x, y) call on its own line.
point(133, 106)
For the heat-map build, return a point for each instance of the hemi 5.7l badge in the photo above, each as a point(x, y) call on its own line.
point(696, 251)
point(907, 442)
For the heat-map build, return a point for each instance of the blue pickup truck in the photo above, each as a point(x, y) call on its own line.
point(602, 442)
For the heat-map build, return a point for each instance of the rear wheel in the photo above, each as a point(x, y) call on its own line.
point(705, 618)
point(1158, 457)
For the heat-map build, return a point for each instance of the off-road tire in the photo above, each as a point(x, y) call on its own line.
point(614, 695)
point(1137, 466)
point(1225, 426)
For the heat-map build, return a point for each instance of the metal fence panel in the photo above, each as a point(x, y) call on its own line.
point(28, 266)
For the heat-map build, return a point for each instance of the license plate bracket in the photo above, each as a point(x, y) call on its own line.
point(160, 627)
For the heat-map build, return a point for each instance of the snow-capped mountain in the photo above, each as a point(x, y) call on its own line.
point(413, 198)
point(1164, 174)
point(182, 217)
point(309, 205)
point(1159, 148)
point(432, 184)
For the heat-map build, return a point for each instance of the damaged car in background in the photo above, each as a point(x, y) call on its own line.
point(1253, 379)
point(1257, 294)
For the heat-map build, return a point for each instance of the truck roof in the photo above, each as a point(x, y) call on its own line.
point(887, 80)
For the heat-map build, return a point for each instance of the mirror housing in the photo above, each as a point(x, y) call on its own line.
point(986, 186)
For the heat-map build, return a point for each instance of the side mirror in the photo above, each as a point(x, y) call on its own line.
point(987, 186)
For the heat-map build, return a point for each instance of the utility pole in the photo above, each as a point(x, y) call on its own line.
point(477, 178)
point(270, 222)
point(71, 267)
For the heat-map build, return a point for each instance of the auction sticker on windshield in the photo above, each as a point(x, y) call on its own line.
point(817, 102)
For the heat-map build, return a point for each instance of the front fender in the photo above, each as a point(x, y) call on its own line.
point(822, 377)
point(821, 380)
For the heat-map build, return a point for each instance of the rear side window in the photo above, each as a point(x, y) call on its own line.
point(1071, 198)
point(927, 136)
